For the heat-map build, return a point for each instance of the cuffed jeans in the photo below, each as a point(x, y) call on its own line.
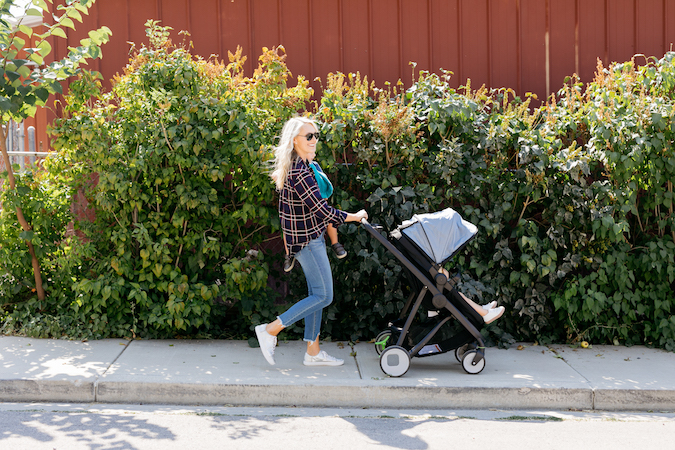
point(314, 261)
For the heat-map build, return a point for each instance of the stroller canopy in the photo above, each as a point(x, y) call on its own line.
point(439, 234)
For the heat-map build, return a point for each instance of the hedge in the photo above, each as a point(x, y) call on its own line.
point(573, 200)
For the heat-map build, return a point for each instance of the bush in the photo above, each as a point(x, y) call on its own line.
point(560, 243)
point(45, 203)
point(181, 196)
point(624, 294)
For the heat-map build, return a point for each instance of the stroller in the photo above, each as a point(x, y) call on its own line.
point(423, 244)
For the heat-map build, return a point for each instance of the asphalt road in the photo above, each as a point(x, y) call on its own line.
point(97, 426)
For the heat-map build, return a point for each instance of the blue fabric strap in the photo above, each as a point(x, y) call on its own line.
point(325, 186)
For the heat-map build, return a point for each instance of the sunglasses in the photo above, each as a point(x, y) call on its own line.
point(309, 136)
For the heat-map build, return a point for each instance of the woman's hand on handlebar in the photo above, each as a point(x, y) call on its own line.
point(357, 217)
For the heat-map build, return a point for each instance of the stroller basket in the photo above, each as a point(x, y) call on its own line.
point(423, 244)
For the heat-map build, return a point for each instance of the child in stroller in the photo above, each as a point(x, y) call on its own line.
point(423, 245)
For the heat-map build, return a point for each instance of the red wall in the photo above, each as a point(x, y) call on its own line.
point(526, 45)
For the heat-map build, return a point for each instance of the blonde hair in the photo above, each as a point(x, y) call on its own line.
point(284, 153)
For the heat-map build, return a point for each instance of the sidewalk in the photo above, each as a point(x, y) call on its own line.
point(201, 372)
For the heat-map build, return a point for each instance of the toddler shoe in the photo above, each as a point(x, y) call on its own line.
point(339, 250)
point(289, 262)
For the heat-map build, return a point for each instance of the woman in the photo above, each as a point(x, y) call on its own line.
point(304, 216)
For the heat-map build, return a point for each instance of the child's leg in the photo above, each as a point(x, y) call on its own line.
point(332, 234)
point(339, 250)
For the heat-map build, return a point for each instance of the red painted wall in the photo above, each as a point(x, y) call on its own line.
point(526, 45)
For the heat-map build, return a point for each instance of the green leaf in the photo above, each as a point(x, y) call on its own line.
point(44, 48)
point(75, 14)
point(28, 31)
point(18, 42)
point(96, 36)
point(36, 58)
point(67, 22)
point(5, 104)
point(42, 94)
point(27, 235)
point(81, 8)
point(42, 4)
point(515, 276)
point(25, 71)
point(12, 76)
point(36, 12)
point(56, 31)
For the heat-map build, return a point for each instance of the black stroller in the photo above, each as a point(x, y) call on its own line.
point(423, 244)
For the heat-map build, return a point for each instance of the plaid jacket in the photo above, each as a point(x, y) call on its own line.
point(304, 214)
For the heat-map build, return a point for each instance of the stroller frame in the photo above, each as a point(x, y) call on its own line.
point(395, 359)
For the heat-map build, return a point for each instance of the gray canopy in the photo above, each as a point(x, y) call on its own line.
point(439, 234)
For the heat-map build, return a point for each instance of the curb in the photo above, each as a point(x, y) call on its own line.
point(344, 396)
point(28, 391)
point(47, 391)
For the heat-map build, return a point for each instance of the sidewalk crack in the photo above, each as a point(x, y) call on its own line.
point(590, 385)
point(108, 368)
point(353, 354)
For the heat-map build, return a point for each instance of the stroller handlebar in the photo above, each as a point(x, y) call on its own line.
point(373, 226)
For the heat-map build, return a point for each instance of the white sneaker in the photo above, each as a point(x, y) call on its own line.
point(267, 342)
point(490, 306)
point(322, 359)
point(494, 314)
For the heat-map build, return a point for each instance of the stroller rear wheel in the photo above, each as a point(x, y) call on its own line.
point(395, 361)
point(382, 341)
point(459, 352)
point(469, 363)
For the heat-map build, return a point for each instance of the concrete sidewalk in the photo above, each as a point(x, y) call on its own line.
point(201, 372)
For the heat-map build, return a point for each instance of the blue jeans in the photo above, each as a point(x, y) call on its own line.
point(314, 261)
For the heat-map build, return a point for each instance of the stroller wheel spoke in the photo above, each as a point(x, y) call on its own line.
point(382, 341)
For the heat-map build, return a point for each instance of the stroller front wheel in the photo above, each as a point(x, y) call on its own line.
point(395, 361)
point(470, 365)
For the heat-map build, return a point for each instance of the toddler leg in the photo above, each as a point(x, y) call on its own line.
point(339, 250)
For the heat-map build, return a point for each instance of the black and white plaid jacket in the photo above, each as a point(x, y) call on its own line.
point(304, 214)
